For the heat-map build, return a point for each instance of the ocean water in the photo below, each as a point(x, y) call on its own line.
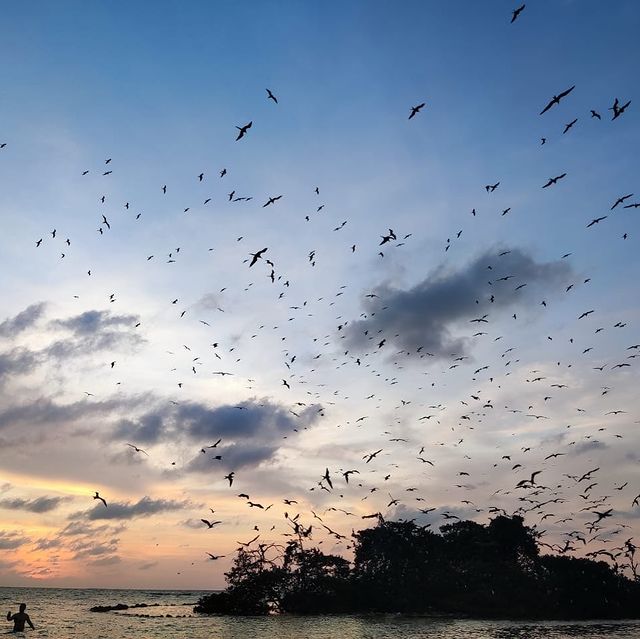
point(64, 614)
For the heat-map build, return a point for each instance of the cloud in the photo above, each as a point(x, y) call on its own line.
point(90, 332)
point(22, 321)
point(91, 322)
point(46, 411)
point(587, 447)
point(208, 302)
point(87, 548)
point(146, 429)
point(251, 431)
point(243, 421)
point(94, 331)
point(106, 561)
point(47, 544)
point(427, 315)
point(38, 505)
point(17, 361)
point(11, 540)
point(145, 507)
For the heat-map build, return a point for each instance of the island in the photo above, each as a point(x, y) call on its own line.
point(494, 570)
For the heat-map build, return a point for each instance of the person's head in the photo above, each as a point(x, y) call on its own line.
point(23, 607)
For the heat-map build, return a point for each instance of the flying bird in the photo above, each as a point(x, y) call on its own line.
point(415, 110)
point(257, 256)
point(97, 496)
point(516, 13)
point(138, 450)
point(553, 180)
point(556, 99)
point(243, 130)
point(270, 96)
point(272, 200)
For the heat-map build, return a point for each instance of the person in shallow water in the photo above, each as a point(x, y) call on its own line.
point(19, 619)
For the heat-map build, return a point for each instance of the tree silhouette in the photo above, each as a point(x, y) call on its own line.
point(493, 570)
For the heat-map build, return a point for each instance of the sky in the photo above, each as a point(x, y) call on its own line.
point(400, 306)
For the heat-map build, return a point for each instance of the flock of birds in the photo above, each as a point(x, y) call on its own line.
point(545, 496)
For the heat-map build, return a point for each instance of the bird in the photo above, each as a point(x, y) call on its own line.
point(210, 524)
point(270, 96)
point(271, 200)
point(230, 477)
point(621, 200)
point(595, 114)
point(556, 99)
point(516, 13)
point(138, 450)
point(256, 256)
point(490, 188)
point(243, 130)
point(214, 557)
point(568, 126)
point(597, 220)
point(415, 110)
point(371, 456)
point(617, 109)
point(553, 180)
point(97, 496)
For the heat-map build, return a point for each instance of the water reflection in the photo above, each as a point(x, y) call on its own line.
point(63, 613)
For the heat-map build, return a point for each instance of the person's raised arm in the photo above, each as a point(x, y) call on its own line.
point(9, 617)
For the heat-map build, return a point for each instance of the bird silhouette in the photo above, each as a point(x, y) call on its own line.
point(416, 109)
point(556, 99)
point(516, 13)
point(97, 496)
point(270, 96)
point(243, 130)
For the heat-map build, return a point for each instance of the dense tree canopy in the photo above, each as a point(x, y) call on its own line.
point(493, 570)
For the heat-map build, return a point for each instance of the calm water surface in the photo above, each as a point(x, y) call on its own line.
point(64, 613)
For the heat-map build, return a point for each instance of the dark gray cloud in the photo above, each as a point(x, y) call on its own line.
point(149, 428)
point(428, 314)
point(252, 431)
point(45, 411)
point(92, 322)
point(38, 505)
point(17, 361)
point(91, 332)
point(10, 540)
point(234, 456)
point(94, 331)
point(145, 507)
point(13, 326)
point(589, 446)
point(242, 421)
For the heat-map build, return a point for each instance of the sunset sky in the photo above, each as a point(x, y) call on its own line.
point(459, 340)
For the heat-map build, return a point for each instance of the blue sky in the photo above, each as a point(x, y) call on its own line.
point(159, 88)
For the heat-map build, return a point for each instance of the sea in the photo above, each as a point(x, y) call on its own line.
point(64, 613)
